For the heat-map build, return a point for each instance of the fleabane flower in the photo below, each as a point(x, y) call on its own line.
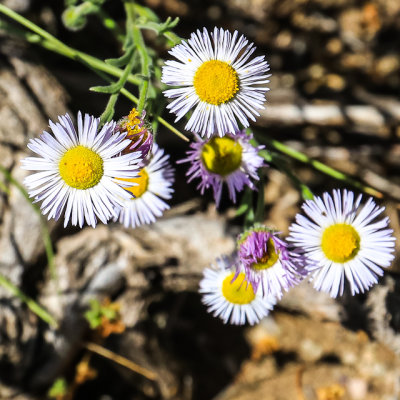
point(341, 239)
point(77, 170)
point(230, 159)
point(138, 132)
point(218, 80)
point(229, 297)
point(148, 191)
point(267, 261)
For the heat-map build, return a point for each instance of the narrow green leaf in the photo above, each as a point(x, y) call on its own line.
point(121, 61)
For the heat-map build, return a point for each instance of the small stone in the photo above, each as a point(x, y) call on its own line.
point(357, 388)
point(310, 351)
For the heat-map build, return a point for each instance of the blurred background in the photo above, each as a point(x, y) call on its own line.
point(334, 96)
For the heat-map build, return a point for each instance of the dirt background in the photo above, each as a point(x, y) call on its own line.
point(334, 96)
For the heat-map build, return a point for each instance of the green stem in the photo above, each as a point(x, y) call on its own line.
point(319, 166)
point(144, 55)
point(135, 100)
point(281, 164)
point(89, 61)
point(109, 111)
point(4, 188)
point(161, 120)
point(48, 246)
point(53, 44)
point(33, 306)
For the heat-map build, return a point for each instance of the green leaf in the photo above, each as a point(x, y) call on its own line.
point(94, 318)
point(146, 13)
point(241, 210)
point(109, 313)
point(121, 61)
point(159, 28)
point(58, 388)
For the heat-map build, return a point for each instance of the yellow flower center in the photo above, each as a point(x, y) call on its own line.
point(216, 82)
point(221, 156)
point(237, 292)
point(81, 168)
point(133, 122)
point(268, 259)
point(340, 242)
point(142, 183)
point(136, 133)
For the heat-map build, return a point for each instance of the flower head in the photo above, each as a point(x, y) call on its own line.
point(342, 239)
point(230, 297)
point(78, 169)
point(230, 159)
point(147, 191)
point(217, 79)
point(268, 262)
point(138, 131)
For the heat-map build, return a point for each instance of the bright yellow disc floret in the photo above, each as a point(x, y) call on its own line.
point(216, 82)
point(268, 259)
point(237, 292)
point(142, 183)
point(81, 167)
point(132, 125)
point(222, 156)
point(340, 242)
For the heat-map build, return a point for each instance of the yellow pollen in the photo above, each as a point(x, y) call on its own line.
point(81, 168)
point(222, 156)
point(239, 291)
point(216, 82)
point(142, 183)
point(340, 242)
point(268, 259)
point(133, 122)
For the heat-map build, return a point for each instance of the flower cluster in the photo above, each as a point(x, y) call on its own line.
point(99, 173)
point(338, 240)
point(116, 172)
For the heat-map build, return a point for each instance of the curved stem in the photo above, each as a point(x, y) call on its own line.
point(89, 61)
point(144, 55)
point(33, 306)
point(319, 166)
point(52, 43)
point(48, 246)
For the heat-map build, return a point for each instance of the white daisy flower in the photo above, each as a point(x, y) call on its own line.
point(341, 239)
point(230, 297)
point(216, 78)
point(153, 184)
point(78, 170)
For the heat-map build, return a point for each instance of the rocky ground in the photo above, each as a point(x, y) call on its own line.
point(334, 96)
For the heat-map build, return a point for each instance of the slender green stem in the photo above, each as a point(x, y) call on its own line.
point(52, 43)
point(48, 246)
point(161, 120)
point(171, 36)
point(33, 306)
point(319, 166)
point(4, 188)
point(281, 164)
point(109, 111)
point(89, 61)
point(144, 55)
